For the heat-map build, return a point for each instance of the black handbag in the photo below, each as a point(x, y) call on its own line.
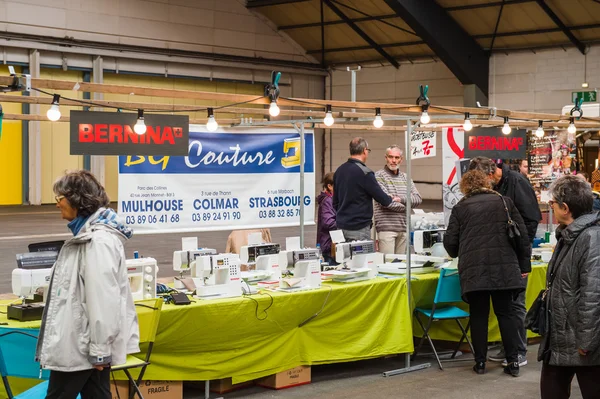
point(535, 320)
point(512, 230)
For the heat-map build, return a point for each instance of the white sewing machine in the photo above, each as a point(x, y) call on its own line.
point(429, 242)
point(359, 261)
point(301, 268)
point(142, 277)
point(430, 255)
point(218, 276)
point(183, 261)
point(31, 277)
point(262, 261)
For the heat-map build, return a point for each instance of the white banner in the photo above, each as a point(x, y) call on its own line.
point(453, 149)
point(231, 179)
point(422, 145)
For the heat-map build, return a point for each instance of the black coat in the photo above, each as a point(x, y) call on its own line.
point(574, 297)
point(477, 234)
point(516, 187)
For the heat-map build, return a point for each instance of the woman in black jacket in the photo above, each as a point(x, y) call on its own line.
point(488, 264)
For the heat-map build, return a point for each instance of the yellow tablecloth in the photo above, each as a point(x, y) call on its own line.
point(423, 292)
point(222, 338)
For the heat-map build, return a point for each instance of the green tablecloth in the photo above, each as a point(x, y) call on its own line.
point(423, 292)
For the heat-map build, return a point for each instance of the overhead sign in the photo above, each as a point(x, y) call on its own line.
point(111, 133)
point(492, 143)
point(422, 144)
point(229, 180)
point(588, 96)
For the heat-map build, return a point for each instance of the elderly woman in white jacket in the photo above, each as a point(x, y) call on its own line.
point(89, 322)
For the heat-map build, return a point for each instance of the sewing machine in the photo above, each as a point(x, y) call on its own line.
point(302, 270)
point(31, 276)
point(359, 261)
point(142, 277)
point(218, 276)
point(429, 242)
point(430, 255)
point(291, 144)
point(262, 261)
point(183, 261)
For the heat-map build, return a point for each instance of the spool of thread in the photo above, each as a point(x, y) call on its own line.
point(136, 255)
point(547, 237)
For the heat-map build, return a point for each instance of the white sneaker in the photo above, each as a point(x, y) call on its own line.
point(522, 361)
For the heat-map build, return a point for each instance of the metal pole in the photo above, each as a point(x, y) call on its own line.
point(353, 88)
point(407, 367)
point(302, 145)
point(408, 210)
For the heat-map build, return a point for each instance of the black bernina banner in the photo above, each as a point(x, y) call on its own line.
point(111, 133)
point(492, 143)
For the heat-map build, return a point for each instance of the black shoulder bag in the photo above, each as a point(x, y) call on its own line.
point(535, 320)
point(512, 230)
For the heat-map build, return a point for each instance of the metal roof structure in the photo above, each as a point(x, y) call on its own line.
point(462, 33)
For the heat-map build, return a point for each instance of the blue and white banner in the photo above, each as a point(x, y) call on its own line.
point(230, 180)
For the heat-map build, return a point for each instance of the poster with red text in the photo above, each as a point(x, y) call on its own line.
point(453, 149)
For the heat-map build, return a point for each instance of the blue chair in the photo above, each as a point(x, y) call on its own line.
point(448, 291)
point(17, 354)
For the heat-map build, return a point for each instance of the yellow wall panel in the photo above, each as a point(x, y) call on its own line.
point(11, 157)
point(56, 158)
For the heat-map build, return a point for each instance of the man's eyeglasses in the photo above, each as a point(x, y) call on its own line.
point(368, 149)
point(59, 198)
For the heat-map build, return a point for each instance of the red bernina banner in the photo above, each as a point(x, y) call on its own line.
point(111, 133)
point(492, 143)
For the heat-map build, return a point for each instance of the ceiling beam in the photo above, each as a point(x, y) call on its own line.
point(269, 3)
point(362, 34)
point(580, 46)
point(391, 16)
point(358, 48)
point(459, 51)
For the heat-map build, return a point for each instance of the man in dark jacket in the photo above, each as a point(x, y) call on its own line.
point(326, 218)
point(515, 186)
point(355, 190)
point(572, 346)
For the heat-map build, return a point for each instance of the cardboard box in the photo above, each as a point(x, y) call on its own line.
point(286, 379)
point(122, 387)
point(225, 385)
point(162, 389)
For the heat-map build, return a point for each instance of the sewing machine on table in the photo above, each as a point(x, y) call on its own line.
point(302, 270)
point(217, 276)
point(359, 261)
point(262, 261)
point(430, 255)
point(31, 276)
point(183, 261)
point(142, 277)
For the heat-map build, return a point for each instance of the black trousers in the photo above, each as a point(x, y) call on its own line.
point(92, 384)
point(479, 304)
point(556, 381)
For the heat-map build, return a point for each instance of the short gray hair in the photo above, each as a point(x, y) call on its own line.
point(83, 191)
point(358, 146)
point(394, 147)
point(575, 192)
point(484, 164)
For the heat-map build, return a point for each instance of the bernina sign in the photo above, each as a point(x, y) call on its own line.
point(111, 133)
point(492, 143)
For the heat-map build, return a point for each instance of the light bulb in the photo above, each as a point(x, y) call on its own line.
point(539, 133)
point(53, 113)
point(378, 122)
point(467, 126)
point(506, 129)
point(425, 118)
point(211, 124)
point(572, 129)
point(140, 126)
point(328, 121)
point(273, 109)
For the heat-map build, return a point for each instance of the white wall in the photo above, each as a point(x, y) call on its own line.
point(208, 26)
point(387, 84)
point(541, 81)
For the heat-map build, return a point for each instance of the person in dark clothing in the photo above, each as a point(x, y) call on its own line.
point(572, 346)
point(515, 186)
point(355, 190)
point(488, 265)
point(326, 218)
